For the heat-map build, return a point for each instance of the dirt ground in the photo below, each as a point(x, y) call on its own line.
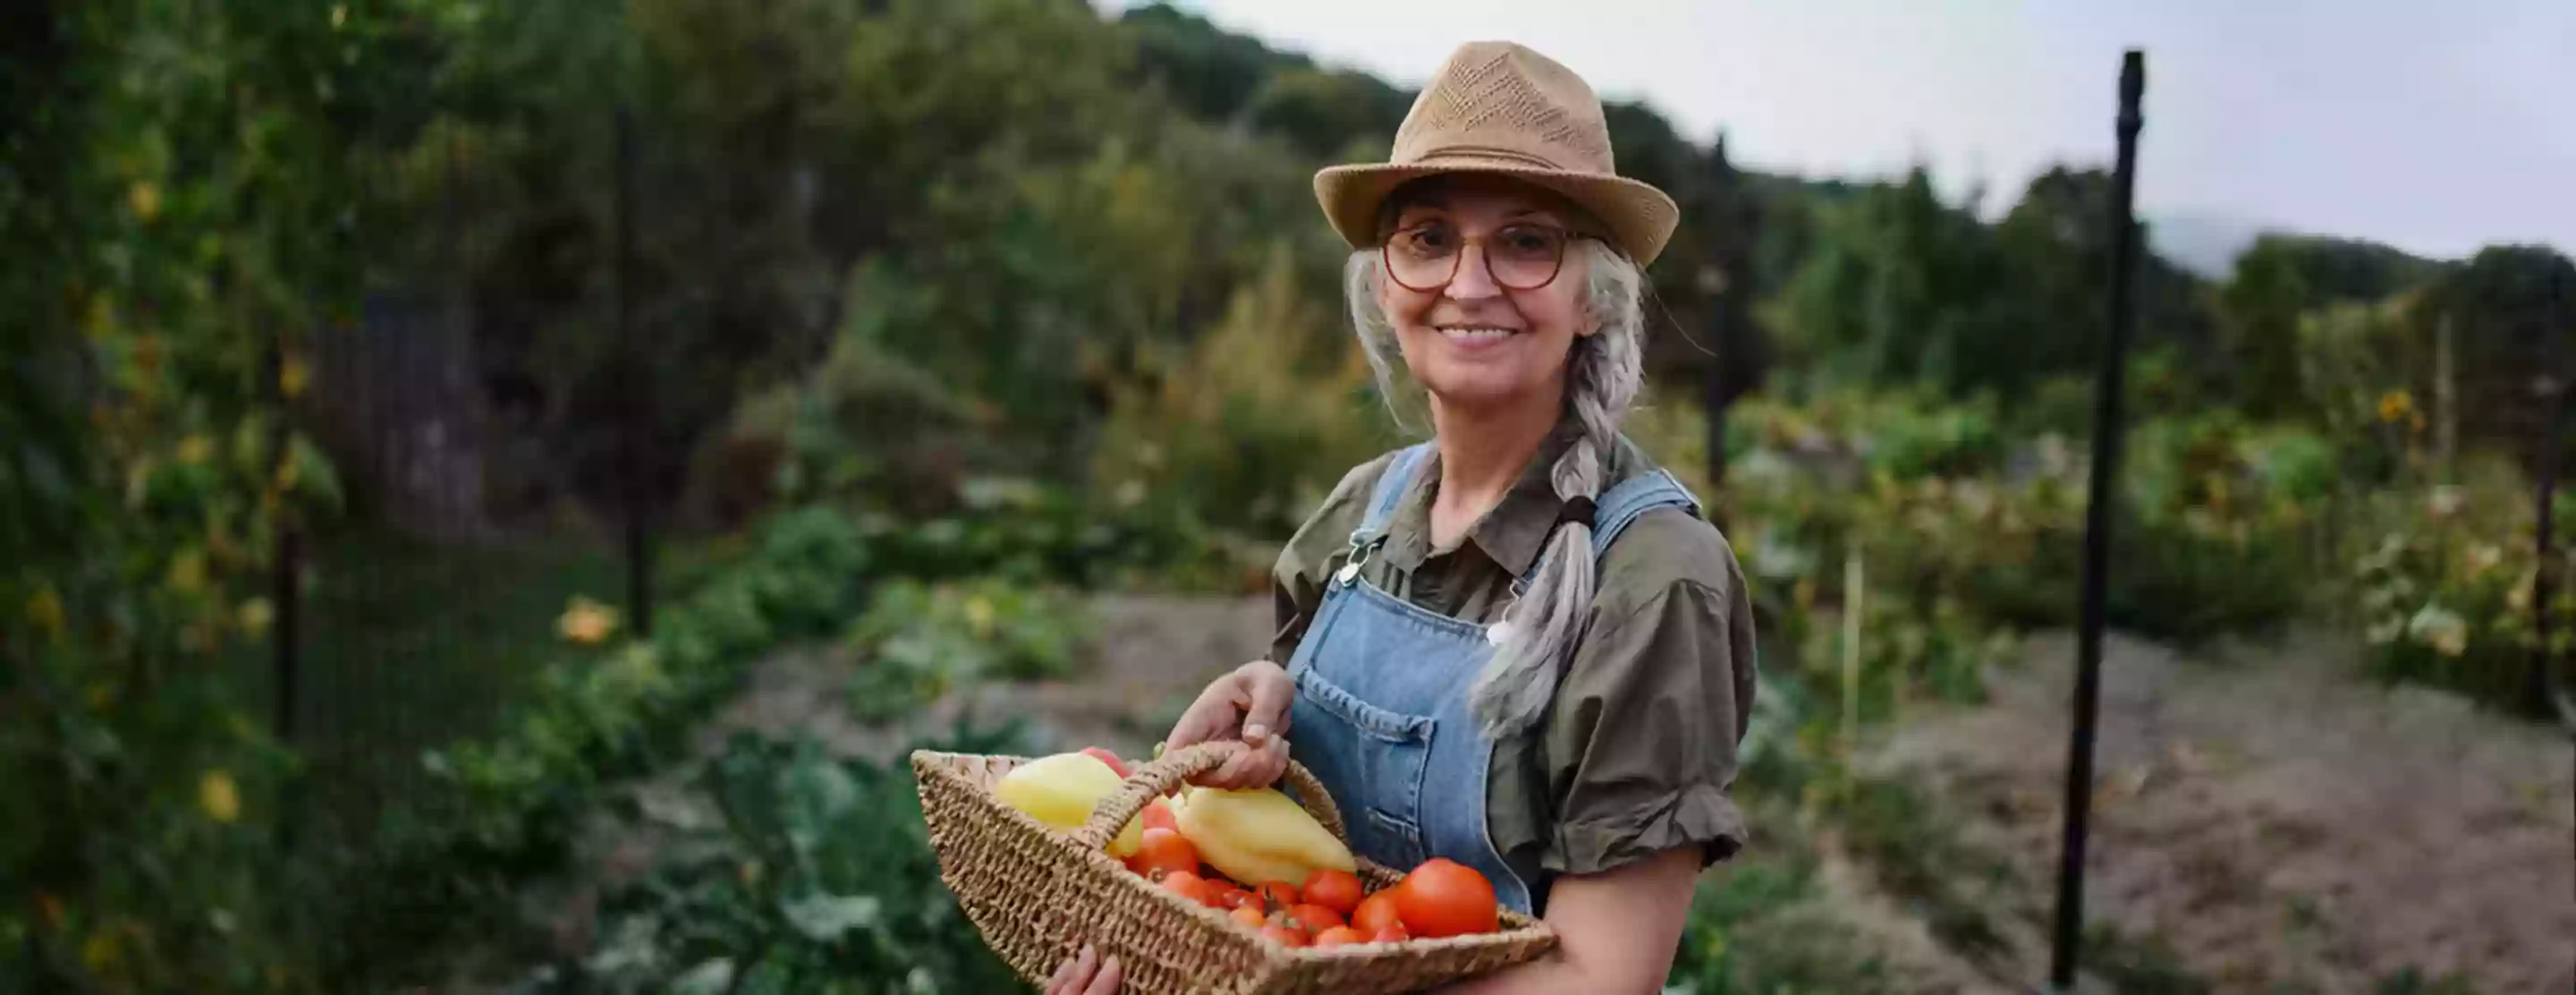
point(2277, 825)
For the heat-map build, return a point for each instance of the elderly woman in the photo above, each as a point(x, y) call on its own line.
point(1517, 645)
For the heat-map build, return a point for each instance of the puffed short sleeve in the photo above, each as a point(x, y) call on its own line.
point(1641, 745)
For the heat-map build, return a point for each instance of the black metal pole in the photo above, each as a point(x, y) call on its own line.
point(2097, 531)
point(639, 573)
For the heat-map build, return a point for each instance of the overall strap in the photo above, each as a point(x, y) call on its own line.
point(1390, 491)
point(1631, 499)
point(1614, 511)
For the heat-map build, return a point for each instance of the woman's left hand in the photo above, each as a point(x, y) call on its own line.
point(1085, 974)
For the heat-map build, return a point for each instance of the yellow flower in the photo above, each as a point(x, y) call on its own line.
point(2395, 405)
point(144, 199)
point(99, 953)
point(101, 320)
point(218, 797)
point(293, 375)
point(46, 610)
point(188, 572)
point(587, 622)
point(255, 615)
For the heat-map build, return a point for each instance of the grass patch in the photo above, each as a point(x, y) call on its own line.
point(2138, 965)
point(1918, 856)
point(1754, 930)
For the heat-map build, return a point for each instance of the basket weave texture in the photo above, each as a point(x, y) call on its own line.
point(1038, 894)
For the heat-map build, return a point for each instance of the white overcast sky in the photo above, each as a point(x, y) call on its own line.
point(2436, 126)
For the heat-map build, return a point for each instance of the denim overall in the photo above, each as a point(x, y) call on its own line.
point(1381, 715)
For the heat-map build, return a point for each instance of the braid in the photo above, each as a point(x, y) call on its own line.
point(1602, 380)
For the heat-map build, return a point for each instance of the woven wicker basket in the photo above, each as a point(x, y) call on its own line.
point(1038, 894)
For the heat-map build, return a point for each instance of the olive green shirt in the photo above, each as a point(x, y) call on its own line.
point(1638, 750)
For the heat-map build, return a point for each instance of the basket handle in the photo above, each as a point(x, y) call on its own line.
point(1164, 773)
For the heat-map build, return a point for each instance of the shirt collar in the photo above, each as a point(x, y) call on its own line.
point(1511, 534)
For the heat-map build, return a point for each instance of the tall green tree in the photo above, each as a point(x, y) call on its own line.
point(1901, 288)
point(2262, 305)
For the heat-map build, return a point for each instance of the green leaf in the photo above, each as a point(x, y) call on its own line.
point(710, 978)
point(823, 918)
point(314, 477)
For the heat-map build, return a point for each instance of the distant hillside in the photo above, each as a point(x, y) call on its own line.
point(2205, 244)
point(2335, 268)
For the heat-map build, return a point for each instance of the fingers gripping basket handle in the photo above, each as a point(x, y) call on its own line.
point(1165, 773)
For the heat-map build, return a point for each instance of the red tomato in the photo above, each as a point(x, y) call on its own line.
point(1338, 936)
point(1279, 894)
point(1186, 884)
point(1315, 918)
point(1392, 933)
point(1159, 816)
point(1336, 890)
point(1248, 916)
point(1237, 898)
point(1284, 936)
point(1445, 898)
point(1109, 758)
point(1377, 912)
point(1162, 852)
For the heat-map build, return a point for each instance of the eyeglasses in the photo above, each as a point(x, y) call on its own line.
point(1424, 257)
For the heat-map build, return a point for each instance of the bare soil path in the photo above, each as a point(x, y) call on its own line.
point(2279, 825)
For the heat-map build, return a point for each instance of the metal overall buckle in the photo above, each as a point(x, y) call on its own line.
point(1361, 546)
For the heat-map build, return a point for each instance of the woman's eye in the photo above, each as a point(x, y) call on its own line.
point(1430, 240)
point(1528, 242)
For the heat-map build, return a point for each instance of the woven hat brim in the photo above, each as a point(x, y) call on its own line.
point(1641, 218)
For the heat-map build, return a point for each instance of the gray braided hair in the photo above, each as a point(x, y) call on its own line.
point(1603, 374)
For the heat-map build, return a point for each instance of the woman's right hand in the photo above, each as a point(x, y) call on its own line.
point(1249, 703)
point(1086, 974)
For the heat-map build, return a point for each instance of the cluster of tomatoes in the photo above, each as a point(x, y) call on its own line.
point(1331, 908)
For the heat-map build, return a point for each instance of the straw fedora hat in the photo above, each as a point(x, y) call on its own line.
point(1500, 108)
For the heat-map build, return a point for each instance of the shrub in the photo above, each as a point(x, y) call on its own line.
point(1033, 533)
point(919, 639)
point(820, 878)
point(1250, 426)
point(514, 795)
point(1754, 931)
point(2442, 586)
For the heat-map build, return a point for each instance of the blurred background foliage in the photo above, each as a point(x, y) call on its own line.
point(990, 299)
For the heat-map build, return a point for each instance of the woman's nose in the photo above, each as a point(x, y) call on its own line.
point(1472, 281)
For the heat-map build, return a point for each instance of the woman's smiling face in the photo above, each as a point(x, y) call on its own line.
point(1482, 340)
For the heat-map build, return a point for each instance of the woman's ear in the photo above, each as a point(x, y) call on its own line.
point(1581, 272)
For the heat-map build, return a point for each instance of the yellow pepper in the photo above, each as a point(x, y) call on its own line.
point(1061, 791)
point(1259, 836)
